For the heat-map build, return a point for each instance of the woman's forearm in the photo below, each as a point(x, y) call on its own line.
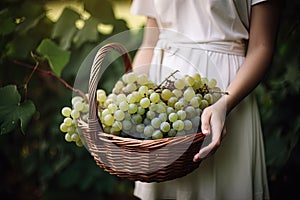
point(259, 54)
point(143, 57)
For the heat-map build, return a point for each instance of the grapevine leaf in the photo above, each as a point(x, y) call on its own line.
point(101, 9)
point(30, 14)
point(65, 28)
point(21, 46)
point(6, 22)
point(88, 33)
point(13, 112)
point(57, 57)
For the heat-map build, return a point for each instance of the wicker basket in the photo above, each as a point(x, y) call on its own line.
point(138, 160)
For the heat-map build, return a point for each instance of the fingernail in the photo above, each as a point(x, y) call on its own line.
point(195, 159)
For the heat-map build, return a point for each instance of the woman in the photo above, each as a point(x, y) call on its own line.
point(232, 41)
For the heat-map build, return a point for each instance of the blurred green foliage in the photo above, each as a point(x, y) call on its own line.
point(36, 162)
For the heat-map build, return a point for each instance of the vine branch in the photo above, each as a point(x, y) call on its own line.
point(35, 68)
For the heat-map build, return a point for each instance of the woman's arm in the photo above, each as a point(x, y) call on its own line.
point(143, 57)
point(263, 31)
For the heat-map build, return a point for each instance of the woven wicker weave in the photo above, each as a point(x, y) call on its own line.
point(143, 160)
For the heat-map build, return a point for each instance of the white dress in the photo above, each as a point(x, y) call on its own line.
point(208, 37)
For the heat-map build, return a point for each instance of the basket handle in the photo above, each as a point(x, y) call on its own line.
point(94, 76)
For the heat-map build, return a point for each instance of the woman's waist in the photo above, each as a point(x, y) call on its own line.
point(176, 41)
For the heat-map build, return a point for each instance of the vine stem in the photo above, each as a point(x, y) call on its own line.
point(35, 68)
point(167, 78)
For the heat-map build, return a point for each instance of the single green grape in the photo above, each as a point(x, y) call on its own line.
point(179, 84)
point(130, 87)
point(155, 122)
point(108, 120)
point(117, 126)
point(178, 125)
point(63, 127)
point(75, 137)
point(148, 131)
point(79, 143)
point(101, 96)
point(137, 119)
point(68, 137)
point(188, 125)
point(161, 107)
point(126, 125)
point(172, 133)
point(172, 117)
point(66, 111)
point(196, 77)
point(195, 101)
point(119, 115)
point(150, 114)
point(132, 108)
point(154, 97)
point(68, 121)
point(112, 108)
point(212, 83)
point(76, 99)
point(203, 104)
point(165, 127)
point(209, 98)
point(121, 98)
point(157, 134)
point(141, 110)
point(75, 114)
point(190, 112)
point(178, 93)
point(131, 77)
point(145, 102)
point(131, 98)
point(123, 106)
point(166, 94)
point(189, 93)
point(172, 101)
point(142, 79)
point(140, 128)
point(163, 116)
point(181, 114)
point(189, 81)
point(143, 90)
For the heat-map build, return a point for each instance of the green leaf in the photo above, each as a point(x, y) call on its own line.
point(57, 57)
point(6, 22)
point(101, 9)
point(65, 28)
point(13, 112)
point(21, 46)
point(292, 76)
point(89, 33)
point(30, 13)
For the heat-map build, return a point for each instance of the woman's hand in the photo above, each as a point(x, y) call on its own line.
point(213, 119)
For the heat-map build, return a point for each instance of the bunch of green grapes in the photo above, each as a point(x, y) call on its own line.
point(71, 115)
point(138, 108)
